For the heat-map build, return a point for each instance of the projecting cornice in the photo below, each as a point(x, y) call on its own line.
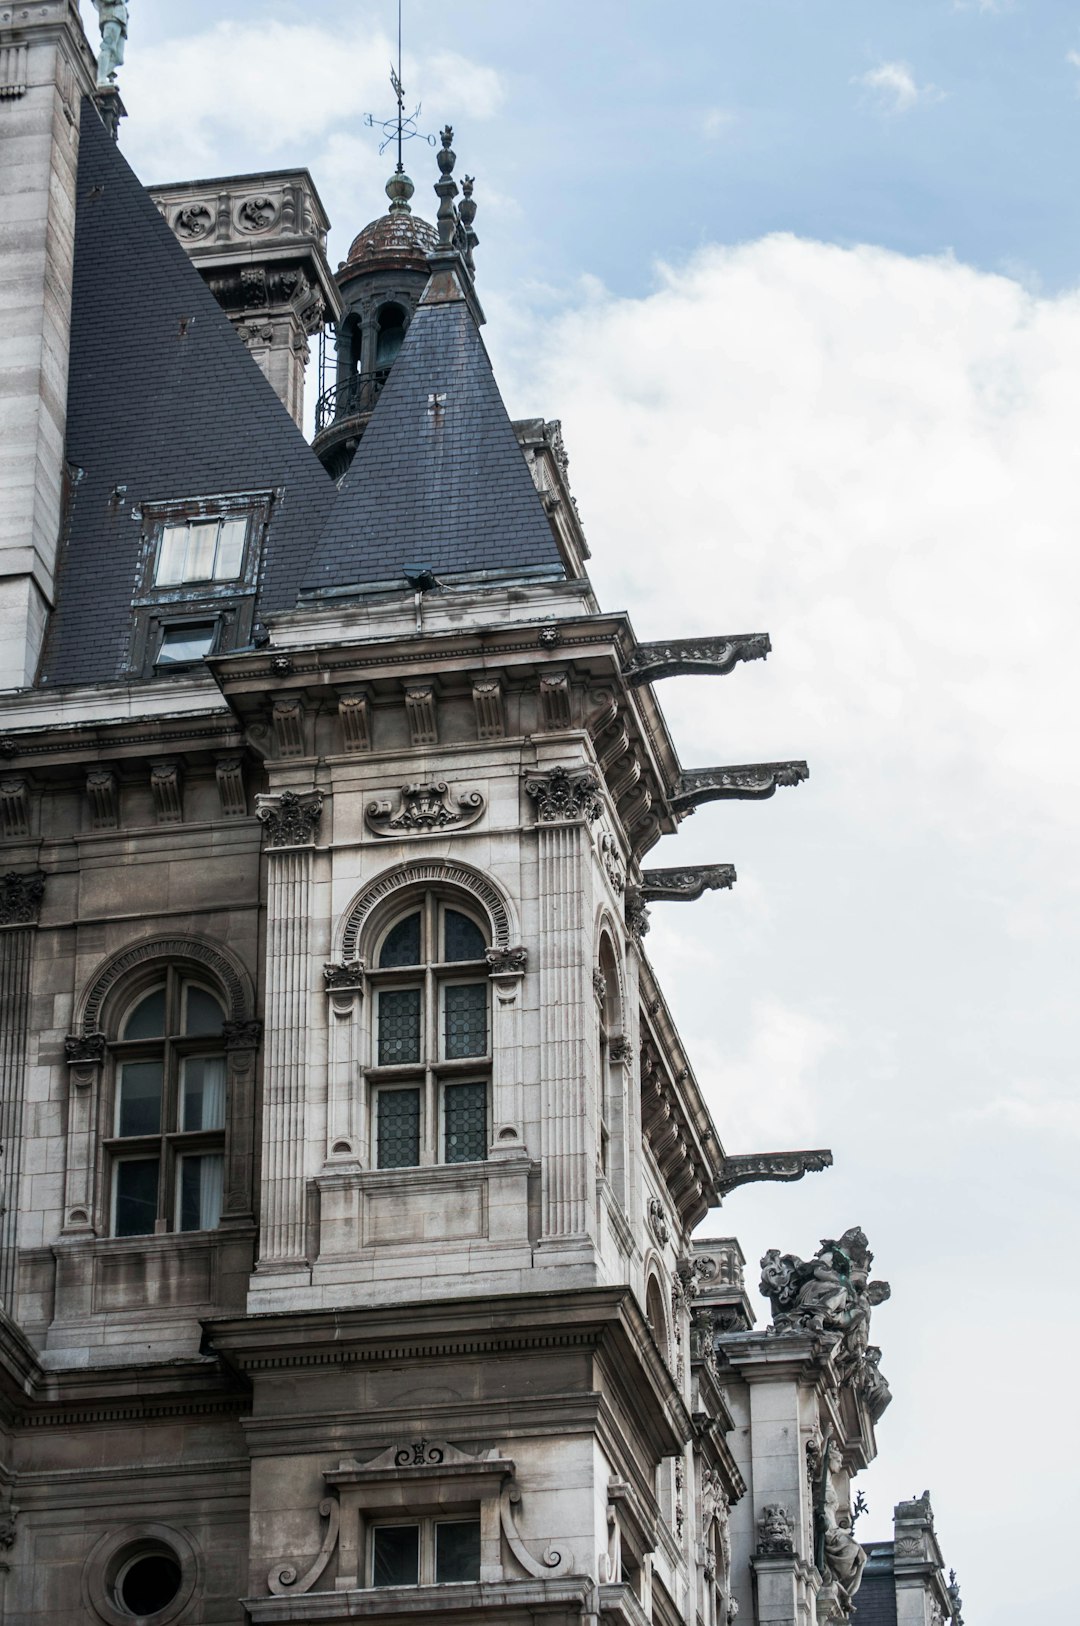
point(755, 1166)
point(707, 656)
point(686, 884)
point(752, 782)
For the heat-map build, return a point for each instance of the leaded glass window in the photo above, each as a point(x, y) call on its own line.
point(166, 1147)
point(430, 1023)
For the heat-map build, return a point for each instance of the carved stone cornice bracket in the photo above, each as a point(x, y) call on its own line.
point(242, 1035)
point(84, 1054)
point(750, 782)
point(290, 818)
point(20, 897)
point(424, 808)
point(637, 916)
point(14, 810)
point(685, 885)
point(757, 1166)
point(564, 794)
point(707, 656)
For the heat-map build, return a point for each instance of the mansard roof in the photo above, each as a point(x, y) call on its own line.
point(439, 481)
point(164, 404)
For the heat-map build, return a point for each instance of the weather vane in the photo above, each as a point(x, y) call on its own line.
point(402, 127)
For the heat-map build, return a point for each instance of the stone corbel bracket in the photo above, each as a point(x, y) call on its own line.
point(750, 782)
point(506, 968)
point(423, 809)
point(551, 1562)
point(757, 1166)
point(344, 984)
point(677, 657)
point(685, 885)
point(286, 1580)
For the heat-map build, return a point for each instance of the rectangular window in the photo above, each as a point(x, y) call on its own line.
point(395, 1555)
point(457, 1550)
point(199, 1191)
point(399, 1026)
point(464, 1123)
point(203, 1093)
point(200, 550)
point(185, 642)
point(136, 1196)
point(138, 1109)
point(397, 1129)
point(464, 1020)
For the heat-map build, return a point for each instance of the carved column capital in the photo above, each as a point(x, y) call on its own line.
point(20, 897)
point(290, 818)
point(85, 1054)
point(242, 1035)
point(564, 794)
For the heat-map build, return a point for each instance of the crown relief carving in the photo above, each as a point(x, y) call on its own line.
point(423, 808)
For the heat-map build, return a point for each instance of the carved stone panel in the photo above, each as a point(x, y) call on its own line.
point(564, 794)
point(424, 808)
point(14, 809)
point(20, 897)
point(290, 819)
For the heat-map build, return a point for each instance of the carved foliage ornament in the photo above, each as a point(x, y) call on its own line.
point(290, 819)
point(564, 794)
point(20, 897)
point(256, 214)
point(609, 853)
point(423, 808)
point(658, 1224)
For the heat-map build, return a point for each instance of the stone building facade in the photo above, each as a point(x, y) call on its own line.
point(351, 1157)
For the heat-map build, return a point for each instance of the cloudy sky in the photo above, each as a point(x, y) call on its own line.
point(802, 280)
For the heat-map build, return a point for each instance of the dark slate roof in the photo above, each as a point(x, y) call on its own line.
point(439, 479)
point(875, 1601)
point(163, 413)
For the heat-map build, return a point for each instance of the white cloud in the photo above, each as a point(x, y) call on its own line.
point(717, 122)
point(893, 88)
point(1073, 59)
point(772, 1080)
point(1034, 1107)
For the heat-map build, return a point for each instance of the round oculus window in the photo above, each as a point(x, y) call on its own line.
point(147, 1582)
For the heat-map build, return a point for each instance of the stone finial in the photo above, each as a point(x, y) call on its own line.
point(399, 189)
point(446, 190)
point(466, 215)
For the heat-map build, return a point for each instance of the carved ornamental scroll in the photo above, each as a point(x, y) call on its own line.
point(750, 782)
point(707, 656)
point(686, 884)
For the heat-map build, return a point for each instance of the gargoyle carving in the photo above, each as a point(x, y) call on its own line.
point(716, 656)
point(749, 782)
point(755, 1166)
point(685, 885)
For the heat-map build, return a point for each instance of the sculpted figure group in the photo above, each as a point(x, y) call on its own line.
point(831, 1293)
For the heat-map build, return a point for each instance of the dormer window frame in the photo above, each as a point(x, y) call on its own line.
point(162, 609)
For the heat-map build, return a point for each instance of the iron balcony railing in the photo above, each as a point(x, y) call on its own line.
point(350, 398)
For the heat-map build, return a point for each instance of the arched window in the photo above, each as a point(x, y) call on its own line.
point(612, 1093)
point(389, 334)
point(165, 1144)
point(430, 1071)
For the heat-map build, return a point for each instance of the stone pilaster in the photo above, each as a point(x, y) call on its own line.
point(241, 1045)
point(46, 68)
point(346, 1114)
point(85, 1059)
point(290, 820)
point(20, 899)
point(565, 800)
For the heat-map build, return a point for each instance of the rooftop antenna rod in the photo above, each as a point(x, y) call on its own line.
point(395, 80)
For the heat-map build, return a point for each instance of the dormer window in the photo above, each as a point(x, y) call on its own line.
point(184, 642)
point(200, 550)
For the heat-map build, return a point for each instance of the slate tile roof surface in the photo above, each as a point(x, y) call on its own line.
point(166, 414)
point(439, 479)
point(875, 1601)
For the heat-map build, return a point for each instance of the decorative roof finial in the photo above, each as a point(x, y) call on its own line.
point(446, 190)
point(467, 214)
point(113, 21)
point(399, 129)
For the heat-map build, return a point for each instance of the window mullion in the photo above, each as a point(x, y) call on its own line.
point(431, 1055)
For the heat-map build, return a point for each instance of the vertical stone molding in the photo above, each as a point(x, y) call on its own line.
point(16, 945)
point(14, 810)
point(103, 796)
point(167, 789)
point(555, 700)
point(565, 1019)
point(229, 772)
point(288, 955)
point(487, 698)
point(420, 710)
point(288, 718)
point(346, 1118)
point(241, 1045)
point(85, 1054)
point(354, 715)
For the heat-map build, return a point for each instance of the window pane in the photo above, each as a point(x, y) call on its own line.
point(199, 1199)
point(457, 1551)
point(202, 1012)
point(203, 1093)
point(202, 540)
point(138, 1109)
point(396, 1555)
point(189, 643)
point(230, 549)
point(399, 1026)
point(172, 549)
point(402, 943)
point(147, 1020)
point(464, 1123)
point(398, 1131)
point(465, 1020)
point(462, 939)
point(136, 1196)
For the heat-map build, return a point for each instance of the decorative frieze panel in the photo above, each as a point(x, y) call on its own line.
point(14, 810)
point(20, 897)
point(290, 819)
point(103, 795)
point(487, 696)
point(751, 782)
point(677, 656)
point(354, 715)
point(229, 773)
point(421, 713)
point(167, 789)
point(288, 721)
point(555, 700)
point(565, 794)
point(685, 885)
point(424, 808)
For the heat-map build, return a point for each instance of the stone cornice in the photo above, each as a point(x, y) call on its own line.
point(749, 1168)
point(715, 656)
point(566, 1598)
point(685, 884)
point(748, 782)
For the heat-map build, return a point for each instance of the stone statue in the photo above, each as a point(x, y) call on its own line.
point(112, 20)
point(844, 1556)
point(832, 1294)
